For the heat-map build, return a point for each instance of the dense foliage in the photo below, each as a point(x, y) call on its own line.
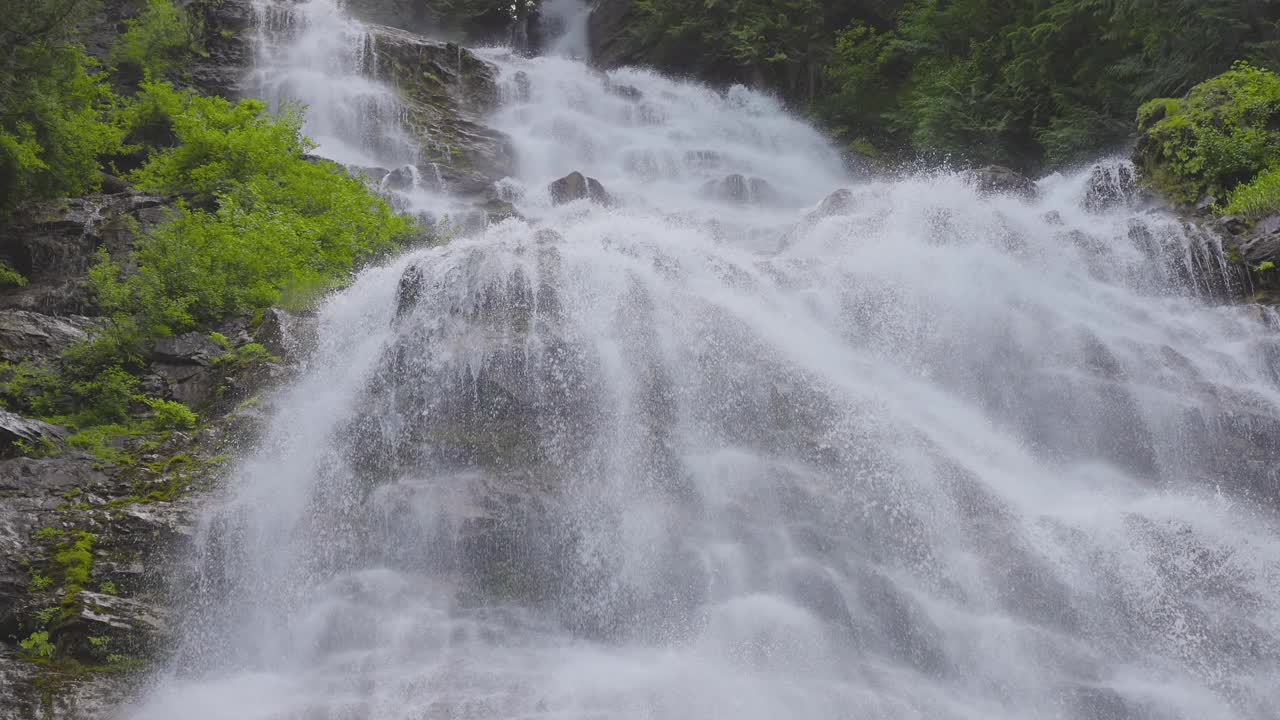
point(155, 43)
point(260, 224)
point(1221, 140)
point(278, 224)
point(54, 104)
point(1023, 83)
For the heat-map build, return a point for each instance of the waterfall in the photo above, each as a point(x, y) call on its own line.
point(738, 446)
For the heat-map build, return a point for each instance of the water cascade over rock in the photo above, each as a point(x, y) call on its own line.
point(920, 450)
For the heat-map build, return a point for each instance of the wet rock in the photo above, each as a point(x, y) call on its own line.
point(400, 179)
point(576, 186)
point(859, 164)
point(999, 180)
point(522, 86)
point(284, 334)
point(1231, 225)
point(1110, 185)
point(741, 190)
point(15, 428)
point(446, 90)
point(1205, 205)
point(839, 202)
point(227, 29)
point(374, 175)
point(53, 244)
point(409, 292)
point(26, 335)
point(102, 613)
point(627, 92)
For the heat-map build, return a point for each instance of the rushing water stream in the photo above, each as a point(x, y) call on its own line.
point(918, 454)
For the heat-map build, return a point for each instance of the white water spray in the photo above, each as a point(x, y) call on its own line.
point(919, 454)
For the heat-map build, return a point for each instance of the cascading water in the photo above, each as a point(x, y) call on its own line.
point(714, 453)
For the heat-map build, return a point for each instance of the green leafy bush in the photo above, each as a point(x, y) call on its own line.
point(155, 42)
point(37, 645)
point(279, 222)
point(54, 122)
point(1218, 138)
point(170, 415)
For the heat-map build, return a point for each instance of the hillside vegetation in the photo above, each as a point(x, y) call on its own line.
point(255, 222)
point(1027, 84)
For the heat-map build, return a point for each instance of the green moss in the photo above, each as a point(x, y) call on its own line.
point(1217, 141)
point(75, 559)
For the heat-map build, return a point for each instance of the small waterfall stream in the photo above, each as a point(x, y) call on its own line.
point(905, 451)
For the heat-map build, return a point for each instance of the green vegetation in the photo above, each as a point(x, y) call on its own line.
point(155, 42)
point(1221, 140)
point(1257, 198)
point(1023, 84)
point(37, 645)
point(282, 225)
point(54, 105)
point(263, 223)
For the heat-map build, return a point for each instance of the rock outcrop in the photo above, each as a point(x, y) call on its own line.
point(741, 190)
point(26, 335)
point(53, 244)
point(999, 180)
point(576, 186)
point(445, 90)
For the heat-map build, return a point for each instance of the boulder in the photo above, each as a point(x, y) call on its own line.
point(15, 428)
point(191, 348)
point(446, 91)
point(741, 190)
point(576, 186)
point(999, 180)
point(1110, 185)
point(285, 334)
point(400, 179)
point(839, 202)
point(27, 335)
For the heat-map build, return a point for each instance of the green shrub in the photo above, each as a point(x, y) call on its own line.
point(155, 43)
point(37, 645)
point(170, 415)
point(76, 559)
point(1258, 198)
point(53, 123)
point(10, 277)
point(1219, 137)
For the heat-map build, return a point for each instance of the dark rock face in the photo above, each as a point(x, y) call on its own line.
point(1110, 186)
point(26, 335)
point(837, 203)
point(1257, 247)
point(53, 244)
point(227, 39)
point(741, 190)
point(191, 348)
point(184, 366)
point(999, 180)
point(445, 90)
point(15, 428)
point(576, 186)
